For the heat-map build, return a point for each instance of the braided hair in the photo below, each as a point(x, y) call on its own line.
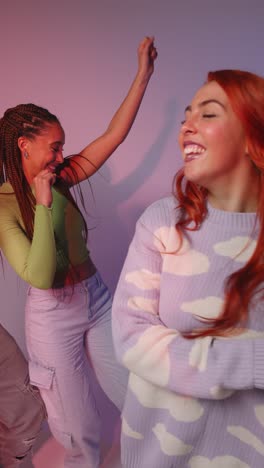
point(26, 120)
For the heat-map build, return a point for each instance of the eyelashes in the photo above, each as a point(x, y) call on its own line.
point(209, 116)
point(206, 116)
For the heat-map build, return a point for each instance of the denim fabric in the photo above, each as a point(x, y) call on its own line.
point(69, 341)
point(21, 408)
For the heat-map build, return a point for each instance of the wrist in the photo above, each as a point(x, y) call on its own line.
point(40, 206)
point(143, 77)
point(44, 203)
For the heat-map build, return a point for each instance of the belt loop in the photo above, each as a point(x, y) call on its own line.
point(86, 292)
point(98, 279)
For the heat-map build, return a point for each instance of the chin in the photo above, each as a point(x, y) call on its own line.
point(193, 176)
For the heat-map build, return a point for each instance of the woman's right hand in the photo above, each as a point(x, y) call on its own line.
point(42, 184)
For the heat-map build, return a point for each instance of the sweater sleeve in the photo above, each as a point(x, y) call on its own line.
point(207, 367)
point(34, 261)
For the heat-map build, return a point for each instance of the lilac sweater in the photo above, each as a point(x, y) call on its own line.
point(190, 403)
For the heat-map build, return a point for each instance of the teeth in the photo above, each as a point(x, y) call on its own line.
point(193, 149)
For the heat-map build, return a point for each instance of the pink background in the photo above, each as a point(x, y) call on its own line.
point(78, 58)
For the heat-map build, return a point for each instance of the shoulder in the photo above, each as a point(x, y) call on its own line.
point(9, 209)
point(155, 229)
point(162, 212)
point(6, 188)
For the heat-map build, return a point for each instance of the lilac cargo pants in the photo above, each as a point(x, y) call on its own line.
point(69, 341)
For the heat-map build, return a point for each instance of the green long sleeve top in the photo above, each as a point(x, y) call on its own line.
point(37, 261)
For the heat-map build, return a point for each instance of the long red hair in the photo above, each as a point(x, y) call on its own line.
point(245, 91)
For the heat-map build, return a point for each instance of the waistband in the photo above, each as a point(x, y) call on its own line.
point(74, 274)
point(81, 287)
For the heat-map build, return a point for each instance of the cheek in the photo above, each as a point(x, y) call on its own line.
point(226, 136)
point(215, 134)
point(218, 140)
point(47, 156)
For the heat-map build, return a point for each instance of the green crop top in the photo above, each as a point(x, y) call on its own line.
point(37, 261)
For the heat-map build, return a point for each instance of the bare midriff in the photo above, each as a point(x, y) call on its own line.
point(74, 274)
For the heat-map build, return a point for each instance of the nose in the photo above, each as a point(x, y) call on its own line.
point(188, 126)
point(59, 157)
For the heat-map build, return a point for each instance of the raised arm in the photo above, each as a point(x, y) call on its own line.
point(79, 167)
point(203, 367)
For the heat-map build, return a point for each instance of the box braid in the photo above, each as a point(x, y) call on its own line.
point(26, 120)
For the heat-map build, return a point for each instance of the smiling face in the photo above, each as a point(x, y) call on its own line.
point(212, 141)
point(44, 151)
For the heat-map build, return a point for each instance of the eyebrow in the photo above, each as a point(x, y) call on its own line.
point(204, 103)
point(57, 143)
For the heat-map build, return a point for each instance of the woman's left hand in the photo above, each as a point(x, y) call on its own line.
point(147, 54)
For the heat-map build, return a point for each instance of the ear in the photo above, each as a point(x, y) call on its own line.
point(22, 143)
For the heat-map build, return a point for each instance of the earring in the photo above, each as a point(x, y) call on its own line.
point(25, 154)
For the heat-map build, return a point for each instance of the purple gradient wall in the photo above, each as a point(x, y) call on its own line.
point(78, 57)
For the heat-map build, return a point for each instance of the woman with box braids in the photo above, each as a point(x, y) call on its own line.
point(27, 120)
point(43, 237)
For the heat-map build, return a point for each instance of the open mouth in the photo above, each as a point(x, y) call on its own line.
point(192, 151)
point(52, 167)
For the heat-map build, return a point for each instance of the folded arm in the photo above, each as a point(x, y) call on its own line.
point(34, 261)
point(203, 367)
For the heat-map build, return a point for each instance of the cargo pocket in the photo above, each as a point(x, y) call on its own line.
point(40, 376)
point(44, 378)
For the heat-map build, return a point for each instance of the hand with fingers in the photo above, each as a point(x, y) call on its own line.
point(42, 184)
point(147, 54)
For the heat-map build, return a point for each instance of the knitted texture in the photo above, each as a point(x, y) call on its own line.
point(190, 403)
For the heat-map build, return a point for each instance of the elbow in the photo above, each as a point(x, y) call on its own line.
point(41, 284)
point(116, 136)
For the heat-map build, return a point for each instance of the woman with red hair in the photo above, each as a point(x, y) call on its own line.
point(187, 313)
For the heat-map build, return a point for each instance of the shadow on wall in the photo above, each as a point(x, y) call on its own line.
point(117, 222)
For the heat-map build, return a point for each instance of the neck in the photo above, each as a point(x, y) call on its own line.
point(238, 196)
point(28, 177)
point(242, 203)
